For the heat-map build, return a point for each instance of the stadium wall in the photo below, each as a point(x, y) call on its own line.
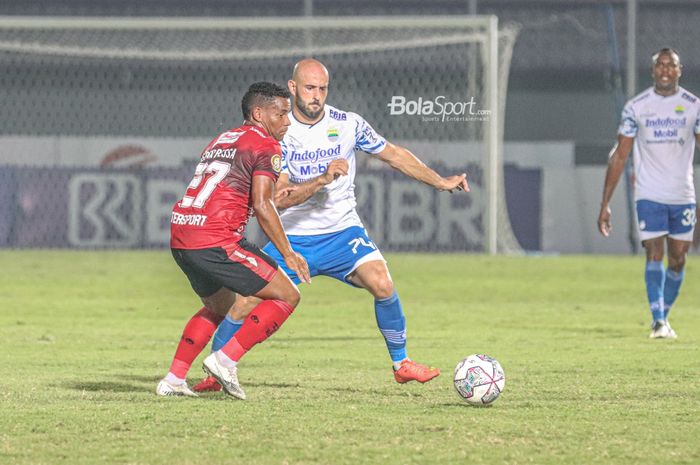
point(95, 192)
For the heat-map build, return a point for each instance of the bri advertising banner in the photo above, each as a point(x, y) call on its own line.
point(71, 207)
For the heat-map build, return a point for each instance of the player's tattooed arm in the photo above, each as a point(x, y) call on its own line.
point(289, 194)
point(403, 160)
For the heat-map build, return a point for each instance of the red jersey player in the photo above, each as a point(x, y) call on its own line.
point(234, 179)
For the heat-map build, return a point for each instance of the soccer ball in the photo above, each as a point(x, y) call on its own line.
point(479, 379)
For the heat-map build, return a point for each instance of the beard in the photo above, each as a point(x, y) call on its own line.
point(666, 86)
point(305, 110)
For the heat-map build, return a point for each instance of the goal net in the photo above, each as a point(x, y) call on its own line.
point(102, 120)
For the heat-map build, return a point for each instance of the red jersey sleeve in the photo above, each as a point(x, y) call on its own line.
point(268, 160)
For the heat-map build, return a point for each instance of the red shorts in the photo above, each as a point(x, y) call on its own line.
point(239, 266)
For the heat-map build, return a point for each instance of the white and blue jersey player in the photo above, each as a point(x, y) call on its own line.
point(661, 126)
point(325, 227)
point(316, 196)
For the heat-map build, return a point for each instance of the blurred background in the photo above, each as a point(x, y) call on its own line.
point(100, 129)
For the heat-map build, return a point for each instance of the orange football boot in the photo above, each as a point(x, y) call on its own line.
point(412, 371)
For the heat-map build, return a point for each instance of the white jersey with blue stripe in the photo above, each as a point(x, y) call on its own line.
point(306, 152)
point(664, 129)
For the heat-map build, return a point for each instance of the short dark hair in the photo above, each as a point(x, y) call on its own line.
point(261, 93)
point(665, 51)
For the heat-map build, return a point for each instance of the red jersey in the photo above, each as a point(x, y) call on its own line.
point(216, 206)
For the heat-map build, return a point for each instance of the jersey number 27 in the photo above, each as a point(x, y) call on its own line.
point(197, 192)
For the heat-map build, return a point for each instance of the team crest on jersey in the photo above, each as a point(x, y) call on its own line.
point(679, 109)
point(332, 134)
point(276, 161)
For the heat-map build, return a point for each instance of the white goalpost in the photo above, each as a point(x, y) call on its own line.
point(181, 77)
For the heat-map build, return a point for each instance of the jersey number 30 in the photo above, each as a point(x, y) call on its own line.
point(214, 173)
point(688, 217)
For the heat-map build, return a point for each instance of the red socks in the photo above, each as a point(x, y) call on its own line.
point(194, 339)
point(260, 324)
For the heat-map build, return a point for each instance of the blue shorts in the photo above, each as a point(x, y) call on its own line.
point(335, 254)
point(660, 219)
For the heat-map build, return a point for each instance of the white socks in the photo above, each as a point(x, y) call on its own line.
point(223, 359)
point(174, 380)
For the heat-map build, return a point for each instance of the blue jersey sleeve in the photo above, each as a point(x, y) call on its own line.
point(366, 138)
point(628, 124)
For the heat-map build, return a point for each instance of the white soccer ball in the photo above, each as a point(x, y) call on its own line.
point(479, 379)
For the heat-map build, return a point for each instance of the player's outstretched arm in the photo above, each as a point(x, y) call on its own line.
point(616, 166)
point(406, 162)
point(294, 194)
point(269, 220)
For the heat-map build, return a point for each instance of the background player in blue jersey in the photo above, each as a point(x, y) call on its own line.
point(661, 125)
point(319, 211)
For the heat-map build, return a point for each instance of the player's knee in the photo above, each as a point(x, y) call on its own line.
point(654, 249)
point(676, 263)
point(383, 288)
point(242, 307)
point(293, 297)
point(237, 313)
point(219, 302)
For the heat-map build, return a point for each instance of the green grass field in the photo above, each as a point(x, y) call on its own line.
point(85, 336)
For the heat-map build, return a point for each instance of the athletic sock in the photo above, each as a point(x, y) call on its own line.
point(674, 279)
point(226, 330)
point(173, 379)
point(654, 277)
point(261, 323)
point(224, 360)
point(392, 324)
point(194, 338)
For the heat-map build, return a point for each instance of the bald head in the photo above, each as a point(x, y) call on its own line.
point(309, 88)
point(308, 68)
